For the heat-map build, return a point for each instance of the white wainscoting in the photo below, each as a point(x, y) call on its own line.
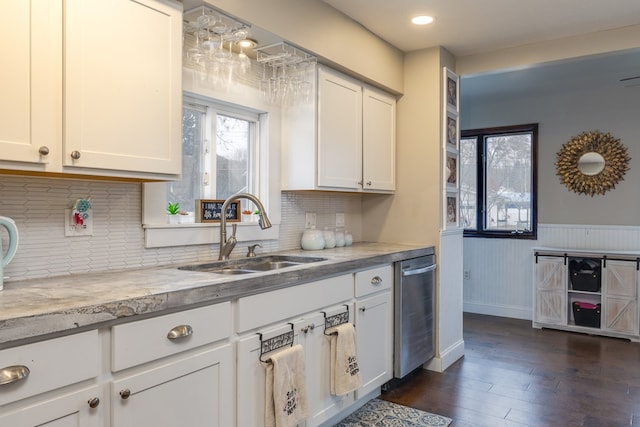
point(498, 273)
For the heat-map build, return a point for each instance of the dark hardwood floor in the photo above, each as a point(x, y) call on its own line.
point(514, 375)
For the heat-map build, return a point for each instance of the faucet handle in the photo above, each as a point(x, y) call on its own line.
point(252, 250)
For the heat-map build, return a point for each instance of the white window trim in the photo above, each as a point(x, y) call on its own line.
point(160, 234)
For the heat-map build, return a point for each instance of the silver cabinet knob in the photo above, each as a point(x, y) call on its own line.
point(363, 309)
point(369, 183)
point(359, 182)
point(124, 394)
point(376, 280)
point(93, 402)
point(44, 150)
point(179, 332)
point(75, 155)
point(309, 327)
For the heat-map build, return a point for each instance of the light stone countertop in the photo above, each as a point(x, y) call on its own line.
point(33, 309)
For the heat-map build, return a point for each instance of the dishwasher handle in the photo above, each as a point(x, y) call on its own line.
point(419, 270)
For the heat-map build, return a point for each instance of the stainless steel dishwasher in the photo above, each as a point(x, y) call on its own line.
point(414, 313)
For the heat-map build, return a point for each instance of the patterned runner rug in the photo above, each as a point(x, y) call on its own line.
point(380, 413)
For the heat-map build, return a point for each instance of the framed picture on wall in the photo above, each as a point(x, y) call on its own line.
point(451, 171)
point(452, 131)
point(451, 90)
point(452, 209)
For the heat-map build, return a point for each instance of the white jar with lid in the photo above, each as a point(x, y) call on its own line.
point(329, 239)
point(339, 238)
point(312, 239)
point(348, 239)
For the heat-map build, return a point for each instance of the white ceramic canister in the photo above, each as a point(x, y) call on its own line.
point(339, 238)
point(312, 239)
point(329, 239)
point(348, 239)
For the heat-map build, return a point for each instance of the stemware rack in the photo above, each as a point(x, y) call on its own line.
point(282, 54)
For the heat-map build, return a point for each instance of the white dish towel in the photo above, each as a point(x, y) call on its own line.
point(286, 396)
point(345, 373)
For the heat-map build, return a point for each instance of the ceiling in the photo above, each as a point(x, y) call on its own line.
point(471, 27)
point(467, 27)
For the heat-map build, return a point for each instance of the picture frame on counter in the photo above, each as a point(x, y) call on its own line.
point(210, 210)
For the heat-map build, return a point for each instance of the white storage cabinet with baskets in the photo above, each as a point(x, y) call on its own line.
point(587, 291)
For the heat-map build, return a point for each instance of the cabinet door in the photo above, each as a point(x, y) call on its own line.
point(123, 91)
point(620, 302)
point(193, 391)
point(68, 410)
point(550, 291)
point(317, 346)
point(250, 389)
point(31, 84)
point(339, 131)
point(378, 140)
point(374, 341)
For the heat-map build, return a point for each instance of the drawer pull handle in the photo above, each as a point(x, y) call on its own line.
point(376, 280)
point(180, 332)
point(93, 402)
point(12, 374)
point(75, 155)
point(124, 394)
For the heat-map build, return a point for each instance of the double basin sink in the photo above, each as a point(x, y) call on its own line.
point(252, 265)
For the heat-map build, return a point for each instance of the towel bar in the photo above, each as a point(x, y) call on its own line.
point(275, 343)
point(335, 320)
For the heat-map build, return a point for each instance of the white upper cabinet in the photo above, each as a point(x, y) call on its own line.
point(345, 142)
point(378, 140)
point(339, 131)
point(31, 102)
point(95, 88)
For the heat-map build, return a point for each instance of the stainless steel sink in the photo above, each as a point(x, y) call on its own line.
point(252, 265)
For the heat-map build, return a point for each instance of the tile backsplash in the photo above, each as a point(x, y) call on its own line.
point(37, 205)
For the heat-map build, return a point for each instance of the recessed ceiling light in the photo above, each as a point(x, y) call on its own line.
point(422, 20)
point(247, 43)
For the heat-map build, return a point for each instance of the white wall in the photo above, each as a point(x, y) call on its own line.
point(501, 269)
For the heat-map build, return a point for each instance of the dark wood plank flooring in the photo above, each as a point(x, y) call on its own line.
point(514, 375)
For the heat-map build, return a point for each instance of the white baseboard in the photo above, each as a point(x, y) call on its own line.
point(514, 312)
point(446, 358)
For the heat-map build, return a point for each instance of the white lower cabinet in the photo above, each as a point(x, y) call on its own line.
point(174, 370)
point(308, 329)
point(374, 326)
point(202, 366)
point(192, 391)
point(322, 404)
point(49, 383)
point(80, 408)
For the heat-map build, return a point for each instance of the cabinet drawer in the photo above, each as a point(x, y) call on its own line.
point(52, 364)
point(146, 340)
point(270, 307)
point(373, 280)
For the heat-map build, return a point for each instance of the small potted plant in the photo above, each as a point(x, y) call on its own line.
point(173, 209)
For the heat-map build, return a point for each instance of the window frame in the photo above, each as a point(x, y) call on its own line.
point(211, 109)
point(481, 135)
point(159, 234)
